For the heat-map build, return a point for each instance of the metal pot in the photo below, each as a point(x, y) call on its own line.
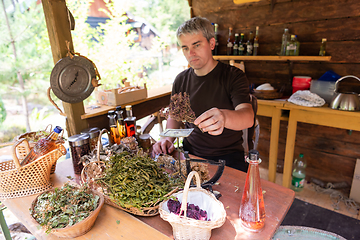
point(345, 101)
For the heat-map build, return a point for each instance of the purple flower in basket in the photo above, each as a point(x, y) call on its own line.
point(174, 206)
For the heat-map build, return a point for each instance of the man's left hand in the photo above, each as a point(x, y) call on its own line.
point(212, 121)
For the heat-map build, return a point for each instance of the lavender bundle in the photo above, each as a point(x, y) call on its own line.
point(179, 108)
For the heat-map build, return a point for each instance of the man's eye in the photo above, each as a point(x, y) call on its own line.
point(185, 49)
point(197, 45)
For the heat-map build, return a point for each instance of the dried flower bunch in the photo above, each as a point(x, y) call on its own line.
point(179, 108)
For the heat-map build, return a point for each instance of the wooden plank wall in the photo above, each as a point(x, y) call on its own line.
point(331, 153)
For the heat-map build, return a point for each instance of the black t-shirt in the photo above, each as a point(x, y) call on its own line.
point(224, 87)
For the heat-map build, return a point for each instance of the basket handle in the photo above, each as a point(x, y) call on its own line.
point(186, 190)
point(46, 128)
point(99, 142)
point(15, 158)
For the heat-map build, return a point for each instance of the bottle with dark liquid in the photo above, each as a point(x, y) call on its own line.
point(252, 208)
point(114, 133)
point(43, 146)
point(215, 50)
point(236, 45)
point(250, 45)
point(241, 45)
point(130, 122)
point(230, 42)
point(120, 122)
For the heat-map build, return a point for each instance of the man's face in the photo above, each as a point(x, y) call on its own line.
point(197, 50)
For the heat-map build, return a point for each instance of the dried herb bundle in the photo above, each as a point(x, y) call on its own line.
point(64, 207)
point(179, 108)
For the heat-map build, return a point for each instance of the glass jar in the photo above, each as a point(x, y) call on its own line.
point(93, 135)
point(79, 146)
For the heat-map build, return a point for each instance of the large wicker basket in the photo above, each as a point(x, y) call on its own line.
point(95, 169)
point(79, 228)
point(22, 150)
point(19, 181)
point(185, 228)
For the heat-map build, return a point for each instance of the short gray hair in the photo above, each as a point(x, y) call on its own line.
point(196, 25)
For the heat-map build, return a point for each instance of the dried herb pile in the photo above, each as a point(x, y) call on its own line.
point(136, 180)
point(64, 207)
point(179, 108)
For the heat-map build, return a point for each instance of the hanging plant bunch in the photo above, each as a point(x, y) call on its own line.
point(179, 108)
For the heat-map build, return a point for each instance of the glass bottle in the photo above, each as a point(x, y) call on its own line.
point(120, 122)
point(114, 133)
point(252, 208)
point(298, 174)
point(285, 39)
point(236, 45)
point(291, 46)
point(323, 47)
point(230, 42)
point(297, 46)
point(249, 45)
point(241, 45)
point(215, 51)
point(130, 122)
point(43, 146)
point(256, 42)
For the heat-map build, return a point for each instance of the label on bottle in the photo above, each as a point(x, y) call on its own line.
point(249, 49)
point(298, 182)
point(256, 45)
point(291, 47)
point(241, 47)
point(235, 46)
point(229, 45)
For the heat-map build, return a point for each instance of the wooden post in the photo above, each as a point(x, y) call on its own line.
point(58, 26)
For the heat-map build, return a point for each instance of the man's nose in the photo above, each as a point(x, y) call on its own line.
point(192, 52)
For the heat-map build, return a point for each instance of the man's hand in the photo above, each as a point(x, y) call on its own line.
point(211, 121)
point(164, 146)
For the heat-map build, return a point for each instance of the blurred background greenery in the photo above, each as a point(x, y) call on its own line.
point(112, 44)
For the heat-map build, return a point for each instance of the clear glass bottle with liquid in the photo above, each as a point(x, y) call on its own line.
point(292, 47)
point(130, 122)
point(285, 39)
point(230, 42)
point(43, 146)
point(250, 45)
point(256, 42)
point(120, 122)
point(114, 132)
point(252, 208)
point(322, 51)
point(298, 174)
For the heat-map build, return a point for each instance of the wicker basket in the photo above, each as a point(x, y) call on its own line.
point(22, 150)
point(185, 228)
point(19, 181)
point(95, 169)
point(79, 228)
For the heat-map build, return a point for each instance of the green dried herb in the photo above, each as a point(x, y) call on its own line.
point(64, 207)
point(136, 180)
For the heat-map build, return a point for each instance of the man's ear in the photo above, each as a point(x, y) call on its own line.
point(212, 43)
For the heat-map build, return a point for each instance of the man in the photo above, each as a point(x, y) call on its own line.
point(219, 96)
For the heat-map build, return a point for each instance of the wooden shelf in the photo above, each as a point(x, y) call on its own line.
point(274, 58)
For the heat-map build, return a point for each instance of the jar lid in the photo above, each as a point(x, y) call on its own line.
point(144, 136)
point(79, 139)
point(93, 132)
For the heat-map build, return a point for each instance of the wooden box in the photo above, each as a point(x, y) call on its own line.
point(121, 96)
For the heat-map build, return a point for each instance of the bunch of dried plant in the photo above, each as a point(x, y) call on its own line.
point(179, 108)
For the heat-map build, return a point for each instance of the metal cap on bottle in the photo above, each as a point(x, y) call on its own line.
point(79, 139)
point(57, 129)
point(93, 132)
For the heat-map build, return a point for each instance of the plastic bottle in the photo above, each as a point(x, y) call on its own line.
point(298, 174)
point(323, 47)
point(120, 122)
point(252, 208)
point(130, 122)
point(43, 146)
point(285, 39)
point(114, 133)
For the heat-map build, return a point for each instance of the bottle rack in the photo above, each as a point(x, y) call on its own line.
point(273, 58)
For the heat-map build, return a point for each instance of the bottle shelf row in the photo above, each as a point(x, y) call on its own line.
point(273, 58)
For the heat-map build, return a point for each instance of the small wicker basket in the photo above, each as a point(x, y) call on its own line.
point(22, 150)
point(185, 228)
point(79, 228)
point(19, 181)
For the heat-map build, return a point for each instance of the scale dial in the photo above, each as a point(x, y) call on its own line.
point(71, 79)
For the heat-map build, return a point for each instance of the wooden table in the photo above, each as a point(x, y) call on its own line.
point(324, 116)
point(157, 99)
point(277, 202)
